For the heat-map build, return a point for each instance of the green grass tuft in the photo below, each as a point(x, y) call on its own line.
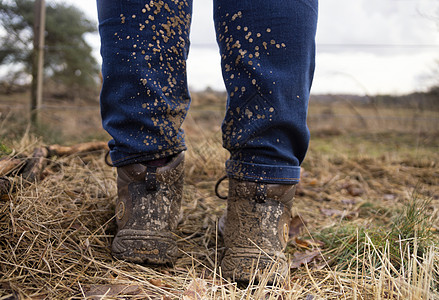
point(4, 149)
point(408, 233)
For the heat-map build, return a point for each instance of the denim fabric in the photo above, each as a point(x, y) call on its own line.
point(144, 97)
point(267, 57)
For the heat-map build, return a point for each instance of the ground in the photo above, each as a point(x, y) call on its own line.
point(366, 214)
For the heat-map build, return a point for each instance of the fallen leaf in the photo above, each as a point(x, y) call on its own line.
point(348, 201)
point(196, 290)
point(355, 191)
point(157, 282)
point(324, 197)
point(389, 197)
point(337, 213)
point(307, 244)
point(8, 165)
point(99, 291)
point(301, 243)
point(315, 243)
point(331, 212)
point(353, 188)
point(296, 226)
point(313, 182)
point(301, 258)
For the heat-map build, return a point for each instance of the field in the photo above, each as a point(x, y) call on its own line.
point(365, 226)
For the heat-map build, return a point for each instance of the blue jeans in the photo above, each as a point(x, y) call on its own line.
point(267, 56)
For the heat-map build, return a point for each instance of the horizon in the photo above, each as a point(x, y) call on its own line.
point(367, 47)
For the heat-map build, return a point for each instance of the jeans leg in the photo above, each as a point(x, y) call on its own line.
point(144, 97)
point(267, 57)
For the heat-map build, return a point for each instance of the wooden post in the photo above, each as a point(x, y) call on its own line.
point(38, 60)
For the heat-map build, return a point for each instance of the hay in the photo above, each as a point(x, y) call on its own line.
point(55, 234)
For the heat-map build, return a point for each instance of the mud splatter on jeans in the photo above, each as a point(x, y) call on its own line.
point(267, 57)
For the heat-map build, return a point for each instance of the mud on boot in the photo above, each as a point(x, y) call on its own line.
point(147, 211)
point(255, 230)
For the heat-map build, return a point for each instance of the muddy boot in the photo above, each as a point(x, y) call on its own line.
point(147, 211)
point(255, 230)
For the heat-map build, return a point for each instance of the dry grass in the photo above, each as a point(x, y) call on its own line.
point(55, 234)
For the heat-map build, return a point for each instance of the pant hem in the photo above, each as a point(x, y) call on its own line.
point(122, 159)
point(263, 173)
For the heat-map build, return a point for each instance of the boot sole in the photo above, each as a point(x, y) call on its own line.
point(245, 266)
point(144, 247)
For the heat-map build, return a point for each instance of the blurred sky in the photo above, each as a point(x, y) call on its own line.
point(363, 46)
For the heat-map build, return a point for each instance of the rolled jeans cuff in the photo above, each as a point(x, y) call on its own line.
point(119, 159)
point(263, 173)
